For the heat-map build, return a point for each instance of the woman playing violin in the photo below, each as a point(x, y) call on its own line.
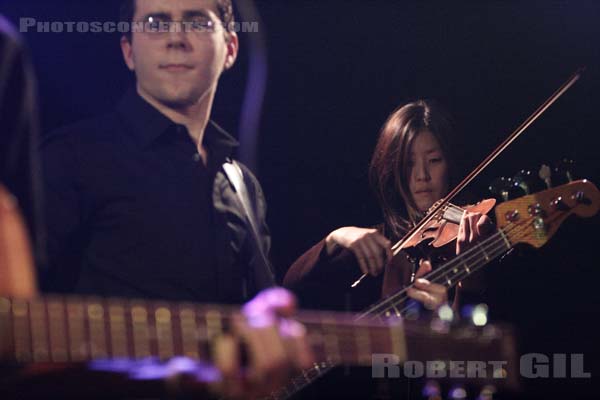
point(410, 170)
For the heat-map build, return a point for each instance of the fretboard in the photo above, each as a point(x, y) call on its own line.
point(448, 275)
point(59, 329)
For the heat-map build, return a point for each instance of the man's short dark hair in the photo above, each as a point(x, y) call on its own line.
point(225, 8)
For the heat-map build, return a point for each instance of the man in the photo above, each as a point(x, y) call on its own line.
point(138, 201)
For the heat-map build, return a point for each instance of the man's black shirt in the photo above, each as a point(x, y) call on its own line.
point(134, 212)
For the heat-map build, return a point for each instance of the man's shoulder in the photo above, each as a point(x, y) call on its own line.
point(83, 132)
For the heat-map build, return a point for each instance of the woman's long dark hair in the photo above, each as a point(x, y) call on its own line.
point(389, 169)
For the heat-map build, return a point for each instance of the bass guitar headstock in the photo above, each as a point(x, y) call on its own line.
point(535, 218)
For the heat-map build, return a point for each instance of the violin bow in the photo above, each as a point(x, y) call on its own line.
point(487, 161)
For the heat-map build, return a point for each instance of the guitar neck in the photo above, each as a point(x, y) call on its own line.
point(59, 329)
point(453, 271)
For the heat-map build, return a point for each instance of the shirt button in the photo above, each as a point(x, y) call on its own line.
point(197, 157)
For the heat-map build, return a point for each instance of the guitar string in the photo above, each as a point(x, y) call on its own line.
point(433, 275)
point(521, 230)
point(477, 256)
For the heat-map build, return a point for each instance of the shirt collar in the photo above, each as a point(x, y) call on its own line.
point(148, 124)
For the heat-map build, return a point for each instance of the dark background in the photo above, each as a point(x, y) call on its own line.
point(337, 69)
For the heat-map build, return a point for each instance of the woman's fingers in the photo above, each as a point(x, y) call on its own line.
point(424, 268)
point(484, 225)
point(371, 249)
point(430, 294)
point(473, 227)
point(361, 257)
point(369, 254)
point(386, 249)
point(377, 253)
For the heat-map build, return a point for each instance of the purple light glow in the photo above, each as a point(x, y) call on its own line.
point(152, 368)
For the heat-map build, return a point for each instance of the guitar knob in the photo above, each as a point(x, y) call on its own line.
point(487, 393)
point(580, 198)
point(538, 224)
point(512, 216)
point(457, 393)
point(432, 390)
point(535, 209)
point(559, 204)
point(445, 313)
point(478, 314)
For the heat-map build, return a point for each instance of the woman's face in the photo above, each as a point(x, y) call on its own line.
point(427, 171)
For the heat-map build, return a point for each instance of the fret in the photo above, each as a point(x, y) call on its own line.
point(57, 327)
point(398, 340)
point(21, 331)
point(506, 241)
point(78, 347)
point(467, 268)
point(97, 330)
point(141, 331)
point(189, 332)
point(6, 336)
point(37, 314)
point(482, 249)
point(118, 331)
point(214, 324)
point(330, 339)
point(164, 332)
point(448, 281)
point(363, 344)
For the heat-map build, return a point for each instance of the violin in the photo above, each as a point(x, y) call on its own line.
point(443, 227)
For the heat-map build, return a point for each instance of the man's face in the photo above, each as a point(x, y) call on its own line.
point(178, 69)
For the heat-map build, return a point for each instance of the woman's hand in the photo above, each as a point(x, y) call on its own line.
point(371, 248)
point(432, 295)
point(473, 227)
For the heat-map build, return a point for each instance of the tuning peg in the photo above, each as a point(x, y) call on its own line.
point(528, 182)
point(559, 204)
point(545, 174)
point(580, 198)
point(563, 172)
point(503, 189)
